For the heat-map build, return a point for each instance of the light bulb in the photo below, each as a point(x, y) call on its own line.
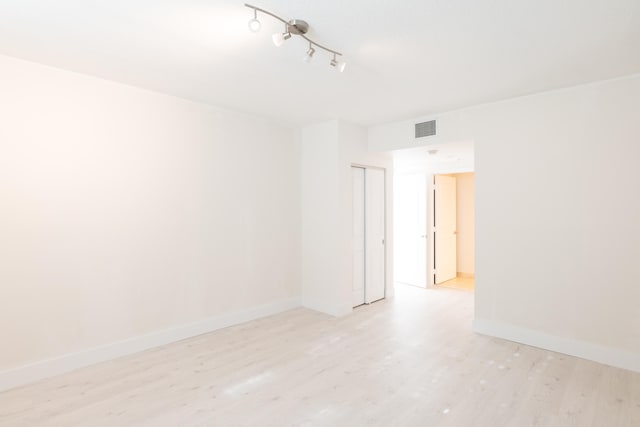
point(279, 38)
point(342, 66)
point(254, 25)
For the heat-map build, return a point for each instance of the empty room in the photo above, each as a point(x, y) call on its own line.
point(219, 213)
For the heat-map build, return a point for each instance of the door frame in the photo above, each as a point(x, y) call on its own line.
point(431, 244)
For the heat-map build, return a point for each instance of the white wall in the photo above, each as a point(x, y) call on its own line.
point(557, 232)
point(126, 212)
point(327, 152)
point(465, 224)
point(320, 185)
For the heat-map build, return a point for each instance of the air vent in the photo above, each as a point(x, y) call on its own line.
point(425, 129)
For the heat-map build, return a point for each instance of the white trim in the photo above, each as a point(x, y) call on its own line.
point(585, 350)
point(69, 362)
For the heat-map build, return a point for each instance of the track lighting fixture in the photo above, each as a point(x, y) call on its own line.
point(296, 27)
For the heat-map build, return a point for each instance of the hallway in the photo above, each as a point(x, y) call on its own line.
point(466, 283)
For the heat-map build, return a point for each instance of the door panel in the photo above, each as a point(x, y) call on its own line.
point(445, 228)
point(357, 175)
point(374, 235)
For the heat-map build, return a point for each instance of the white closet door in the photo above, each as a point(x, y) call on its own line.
point(358, 236)
point(374, 235)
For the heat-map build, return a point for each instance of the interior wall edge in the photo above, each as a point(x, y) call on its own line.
point(69, 362)
point(582, 349)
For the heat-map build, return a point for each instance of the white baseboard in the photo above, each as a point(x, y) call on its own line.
point(69, 362)
point(330, 309)
point(582, 349)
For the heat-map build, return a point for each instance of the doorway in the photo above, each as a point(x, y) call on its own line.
point(368, 238)
point(413, 214)
point(452, 260)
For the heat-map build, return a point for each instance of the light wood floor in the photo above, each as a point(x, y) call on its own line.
point(465, 283)
point(407, 361)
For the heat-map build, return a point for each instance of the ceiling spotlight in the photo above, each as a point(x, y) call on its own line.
point(254, 24)
point(279, 38)
point(335, 63)
point(295, 27)
point(309, 54)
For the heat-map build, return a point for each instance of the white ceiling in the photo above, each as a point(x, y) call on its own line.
point(405, 58)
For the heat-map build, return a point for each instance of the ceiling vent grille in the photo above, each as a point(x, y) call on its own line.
point(426, 129)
